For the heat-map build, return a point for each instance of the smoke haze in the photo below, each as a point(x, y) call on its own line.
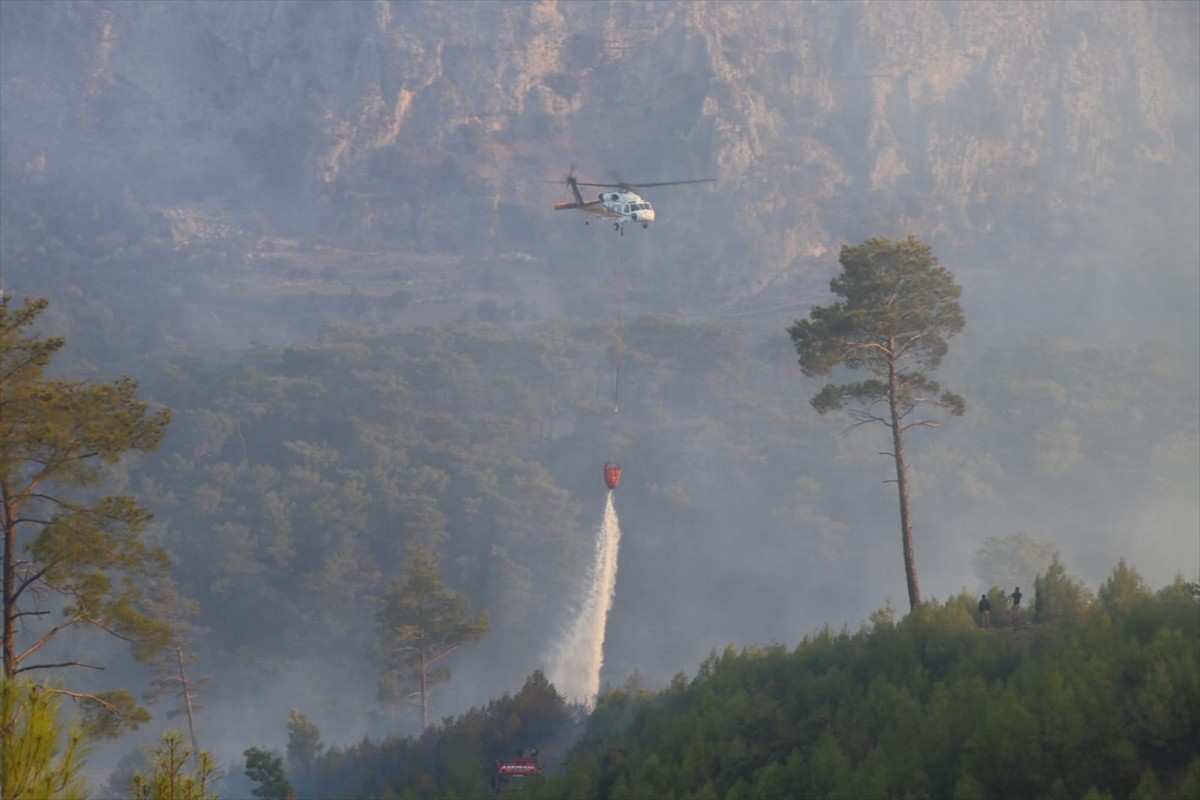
point(322, 234)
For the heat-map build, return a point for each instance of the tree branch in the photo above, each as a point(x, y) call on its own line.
point(868, 419)
point(443, 653)
point(50, 634)
point(31, 614)
point(109, 707)
point(33, 577)
point(60, 664)
point(99, 624)
point(23, 520)
point(854, 346)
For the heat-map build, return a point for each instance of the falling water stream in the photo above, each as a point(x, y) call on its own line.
point(578, 657)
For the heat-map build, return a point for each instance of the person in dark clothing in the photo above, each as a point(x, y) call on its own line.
point(1037, 606)
point(985, 610)
point(1016, 603)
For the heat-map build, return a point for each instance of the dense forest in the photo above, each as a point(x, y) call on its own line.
point(291, 481)
point(1095, 696)
point(1096, 699)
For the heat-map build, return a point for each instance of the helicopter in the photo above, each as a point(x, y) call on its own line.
point(621, 206)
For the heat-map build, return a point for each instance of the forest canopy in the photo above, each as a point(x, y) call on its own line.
point(1098, 699)
point(1103, 705)
point(294, 479)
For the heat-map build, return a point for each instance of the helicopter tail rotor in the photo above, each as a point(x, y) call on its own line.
point(572, 184)
point(565, 180)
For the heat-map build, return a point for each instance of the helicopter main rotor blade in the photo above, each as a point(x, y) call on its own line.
point(645, 185)
point(669, 183)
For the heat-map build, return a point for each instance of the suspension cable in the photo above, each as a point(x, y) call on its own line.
point(620, 322)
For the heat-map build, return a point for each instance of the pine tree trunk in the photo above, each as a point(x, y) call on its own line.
point(910, 559)
point(9, 635)
point(187, 702)
point(424, 692)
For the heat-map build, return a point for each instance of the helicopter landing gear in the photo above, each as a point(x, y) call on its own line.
point(616, 226)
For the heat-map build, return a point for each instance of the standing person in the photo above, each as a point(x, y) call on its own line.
point(985, 610)
point(1037, 606)
point(1016, 601)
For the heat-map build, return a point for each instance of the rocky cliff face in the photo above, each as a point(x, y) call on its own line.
point(985, 127)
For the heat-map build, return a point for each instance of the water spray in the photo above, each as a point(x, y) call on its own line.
point(578, 657)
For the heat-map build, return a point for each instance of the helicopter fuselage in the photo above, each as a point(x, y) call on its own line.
point(616, 207)
point(624, 207)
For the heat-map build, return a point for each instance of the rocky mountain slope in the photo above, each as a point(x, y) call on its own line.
point(1005, 133)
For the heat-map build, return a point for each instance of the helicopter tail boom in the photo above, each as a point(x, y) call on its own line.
point(584, 206)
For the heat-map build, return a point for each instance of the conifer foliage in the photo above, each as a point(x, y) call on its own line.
point(266, 770)
point(171, 779)
point(304, 741)
point(1103, 705)
point(457, 757)
point(897, 310)
point(36, 759)
point(421, 622)
point(63, 538)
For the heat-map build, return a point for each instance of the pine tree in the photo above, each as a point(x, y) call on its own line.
point(304, 741)
point(61, 539)
point(170, 779)
point(897, 310)
point(420, 623)
point(266, 769)
point(172, 663)
point(34, 763)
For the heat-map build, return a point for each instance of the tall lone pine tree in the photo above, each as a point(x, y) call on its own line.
point(897, 310)
point(73, 557)
point(421, 622)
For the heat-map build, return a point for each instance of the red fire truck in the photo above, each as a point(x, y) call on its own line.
point(514, 769)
